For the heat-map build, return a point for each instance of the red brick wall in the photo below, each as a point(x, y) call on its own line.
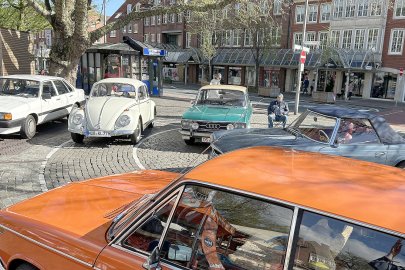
point(392, 61)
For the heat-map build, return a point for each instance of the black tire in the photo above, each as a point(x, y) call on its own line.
point(190, 141)
point(26, 266)
point(136, 136)
point(152, 123)
point(77, 138)
point(29, 127)
point(401, 165)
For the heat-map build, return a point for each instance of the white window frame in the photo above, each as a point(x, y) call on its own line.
point(136, 28)
point(329, 8)
point(237, 38)
point(158, 19)
point(399, 30)
point(312, 13)
point(375, 8)
point(350, 8)
point(299, 16)
point(146, 21)
point(188, 39)
point(165, 18)
point(248, 38)
point(323, 45)
point(359, 39)
point(333, 41)
point(362, 8)
point(277, 7)
point(311, 36)
point(297, 40)
point(146, 38)
point(276, 36)
point(153, 20)
point(346, 41)
point(338, 8)
point(153, 38)
point(129, 28)
point(113, 33)
point(129, 8)
point(401, 8)
point(180, 17)
point(158, 38)
point(375, 38)
point(124, 29)
point(228, 38)
point(138, 7)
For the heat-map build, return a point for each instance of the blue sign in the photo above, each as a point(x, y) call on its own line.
point(153, 52)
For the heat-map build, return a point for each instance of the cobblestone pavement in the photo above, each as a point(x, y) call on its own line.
point(51, 159)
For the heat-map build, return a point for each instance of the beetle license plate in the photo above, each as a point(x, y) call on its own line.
point(203, 139)
point(100, 133)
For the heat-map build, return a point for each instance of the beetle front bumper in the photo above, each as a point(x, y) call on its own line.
point(102, 133)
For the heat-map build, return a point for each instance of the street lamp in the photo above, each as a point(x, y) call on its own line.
point(301, 68)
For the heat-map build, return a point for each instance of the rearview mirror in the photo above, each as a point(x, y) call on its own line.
point(46, 95)
point(153, 261)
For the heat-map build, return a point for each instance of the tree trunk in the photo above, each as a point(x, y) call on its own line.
point(209, 71)
point(257, 67)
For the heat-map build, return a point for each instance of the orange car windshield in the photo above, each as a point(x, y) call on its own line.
point(122, 219)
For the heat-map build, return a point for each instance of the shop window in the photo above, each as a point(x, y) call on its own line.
point(250, 77)
point(235, 75)
point(328, 243)
point(384, 85)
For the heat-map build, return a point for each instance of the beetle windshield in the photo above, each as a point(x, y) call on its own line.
point(221, 97)
point(19, 87)
point(113, 89)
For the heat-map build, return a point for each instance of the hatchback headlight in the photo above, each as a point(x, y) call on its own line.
point(240, 125)
point(6, 116)
point(77, 119)
point(185, 124)
point(123, 121)
point(230, 127)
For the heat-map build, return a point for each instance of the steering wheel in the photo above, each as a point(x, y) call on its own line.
point(323, 133)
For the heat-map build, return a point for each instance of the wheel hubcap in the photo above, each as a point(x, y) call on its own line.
point(31, 126)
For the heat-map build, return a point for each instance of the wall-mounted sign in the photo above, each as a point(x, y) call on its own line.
point(153, 52)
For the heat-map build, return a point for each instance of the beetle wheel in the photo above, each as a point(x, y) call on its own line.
point(136, 136)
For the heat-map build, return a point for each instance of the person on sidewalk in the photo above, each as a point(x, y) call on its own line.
point(215, 80)
point(306, 85)
point(278, 111)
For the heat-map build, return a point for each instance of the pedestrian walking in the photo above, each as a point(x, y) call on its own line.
point(306, 85)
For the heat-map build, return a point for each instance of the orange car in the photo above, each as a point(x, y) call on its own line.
point(257, 208)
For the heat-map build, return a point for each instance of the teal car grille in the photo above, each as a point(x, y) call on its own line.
point(211, 126)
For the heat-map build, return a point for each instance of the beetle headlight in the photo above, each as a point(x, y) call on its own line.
point(240, 125)
point(185, 124)
point(6, 116)
point(230, 127)
point(77, 119)
point(123, 121)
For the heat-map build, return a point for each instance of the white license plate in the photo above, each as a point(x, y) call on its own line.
point(100, 133)
point(203, 139)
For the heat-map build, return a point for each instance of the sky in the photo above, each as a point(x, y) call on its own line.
point(112, 5)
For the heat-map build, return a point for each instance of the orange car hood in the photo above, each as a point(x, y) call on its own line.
point(74, 219)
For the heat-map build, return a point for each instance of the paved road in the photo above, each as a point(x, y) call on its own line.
point(51, 159)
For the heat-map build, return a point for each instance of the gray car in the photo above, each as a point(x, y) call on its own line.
point(325, 129)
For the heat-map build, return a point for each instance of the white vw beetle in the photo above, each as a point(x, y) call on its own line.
point(116, 107)
point(29, 100)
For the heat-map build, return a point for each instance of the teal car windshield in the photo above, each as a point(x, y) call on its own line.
point(221, 97)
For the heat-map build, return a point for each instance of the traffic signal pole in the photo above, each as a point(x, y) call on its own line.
point(301, 66)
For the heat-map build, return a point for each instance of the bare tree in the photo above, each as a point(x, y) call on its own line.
point(69, 19)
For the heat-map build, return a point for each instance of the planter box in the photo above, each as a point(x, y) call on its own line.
point(269, 92)
point(323, 97)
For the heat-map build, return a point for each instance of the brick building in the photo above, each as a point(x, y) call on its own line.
point(16, 52)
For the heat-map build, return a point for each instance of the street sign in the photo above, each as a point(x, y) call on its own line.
point(299, 48)
point(303, 57)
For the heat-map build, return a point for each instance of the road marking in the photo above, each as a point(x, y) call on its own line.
point(135, 149)
point(41, 176)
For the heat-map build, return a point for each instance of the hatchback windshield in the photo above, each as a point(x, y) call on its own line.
point(221, 97)
point(113, 89)
point(19, 87)
point(315, 126)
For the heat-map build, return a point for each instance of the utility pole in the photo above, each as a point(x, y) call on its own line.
point(105, 19)
point(300, 69)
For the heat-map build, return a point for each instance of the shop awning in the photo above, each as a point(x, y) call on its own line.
point(176, 54)
point(112, 48)
point(144, 48)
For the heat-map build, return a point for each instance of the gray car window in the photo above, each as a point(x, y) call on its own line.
point(356, 131)
point(47, 87)
point(61, 87)
point(327, 243)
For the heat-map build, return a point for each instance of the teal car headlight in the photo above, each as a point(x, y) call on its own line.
point(123, 121)
point(186, 124)
point(240, 125)
point(195, 125)
point(230, 127)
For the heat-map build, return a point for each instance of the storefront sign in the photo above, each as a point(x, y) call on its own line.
point(153, 52)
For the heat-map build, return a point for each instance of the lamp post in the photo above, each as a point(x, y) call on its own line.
point(299, 73)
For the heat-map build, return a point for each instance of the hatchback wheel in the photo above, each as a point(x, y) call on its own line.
point(26, 266)
point(401, 165)
point(29, 127)
point(77, 138)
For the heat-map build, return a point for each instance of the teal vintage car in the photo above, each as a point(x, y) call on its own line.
point(216, 107)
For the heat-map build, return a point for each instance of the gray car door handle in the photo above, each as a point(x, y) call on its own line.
point(379, 154)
